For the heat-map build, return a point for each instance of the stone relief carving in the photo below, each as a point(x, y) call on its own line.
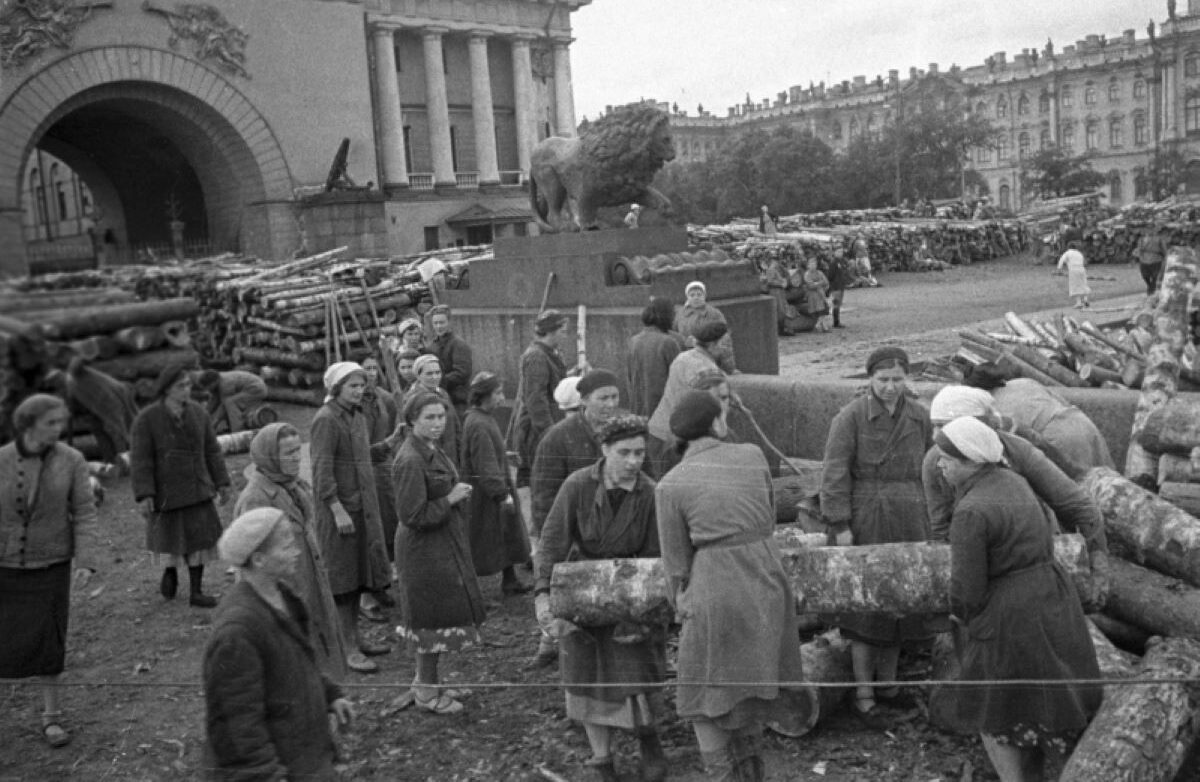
point(28, 27)
point(215, 39)
point(541, 61)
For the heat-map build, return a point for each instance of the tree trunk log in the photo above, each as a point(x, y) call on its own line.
point(1132, 372)
point(825, 659)
point(1097, 375)
point(310, 361)
point(1185, 496)
point(147, 364)
point(102, 320)
point(296, 396)
point(30, 301)
point(1156, 603)
point(314, 316)
point(1176, 469)
point(1114, 663)
point(1161, 379)
point(237, 442)
point(136, 339)
point(1143, 732)
point(1095, 333)
point(1149, 528)
point(1021, 328)
point(1088, 353)
point(600, 592)
point(1122, 634)
point(1173, 427)
point(1060, 373)
point(1025, 369)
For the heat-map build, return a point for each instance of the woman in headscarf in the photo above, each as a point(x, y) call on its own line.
point(695, 312)
point(429, 377)
point(273, 481)
point(177, 469)
point(412, 336)
point(871, 493)
point(347, 512)
point(606, 511)
point(1016, 609)
point(439, 594)
point(739, 638)
point(499, 541)
point(48, 520)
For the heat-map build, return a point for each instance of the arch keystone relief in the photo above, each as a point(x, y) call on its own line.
point(215, 39)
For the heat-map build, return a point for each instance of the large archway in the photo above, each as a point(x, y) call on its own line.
point(158, 133)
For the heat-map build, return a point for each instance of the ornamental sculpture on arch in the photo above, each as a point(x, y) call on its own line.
point(29, 27)
point(215, 39)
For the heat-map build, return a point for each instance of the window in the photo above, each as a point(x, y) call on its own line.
point(1044, 141)
point(1141, 135)
point(1023, 145)
point(1002, 148)
point(1067, 96)
point(981, 108)
point(871, 126)
point(835, 131)
point(1139, 88)
point(1005, 197)
point(1001, 108)
point(1191, 64)
point(1067, 135)
point(853, 127)
point(60, 192)
point(1114, 186)
point(431, 238)
point(984, 155)
point(1191, 114)
point(1089, 96)
point(1114, 91)
point(1044, 103)
point(1022, 105)
point(1091, 135)
point(453, 148)
point(408, 166)
point(1116, 133)
point(1140, 184)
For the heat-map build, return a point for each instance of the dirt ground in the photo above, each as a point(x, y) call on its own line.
point(135, 705)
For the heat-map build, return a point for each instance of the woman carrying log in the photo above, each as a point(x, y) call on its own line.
point(440, 601)
point(1018, 614)
point(606, 511)
point(429, 377)
point(177, 469)
point(738, 646)
point(1065, 428)
point(871, 493)
point(273, 481)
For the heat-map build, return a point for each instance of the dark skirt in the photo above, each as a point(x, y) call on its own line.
point(184, 531)
point(34, 608)
point(591, 656)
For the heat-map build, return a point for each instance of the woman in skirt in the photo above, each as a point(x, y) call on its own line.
point(177, 470)
point(47, 519)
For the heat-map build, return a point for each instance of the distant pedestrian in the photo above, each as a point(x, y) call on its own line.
point(542, 369)
point(454, 354)
point(267, 704)
point(697, 312)
point(631, 219)
point(839, 280)
point(405, 359)
point(816, 290)
point(767, 222)
point(651, 352)
point(1077, 281)
point(233, 398)
point(1152, 252)
point(385, 431)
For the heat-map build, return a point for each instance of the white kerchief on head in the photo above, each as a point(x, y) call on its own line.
point(975, 440)
point(337, 373)
point(958, 401)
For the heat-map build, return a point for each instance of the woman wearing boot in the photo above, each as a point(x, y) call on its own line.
point(177, 469)
point(606, 511)
point(738, 646)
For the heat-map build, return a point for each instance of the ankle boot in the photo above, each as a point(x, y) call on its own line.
point(196, 580)
point(837, 317)
point(603, 769)
point(747, 762)
point(653, 762)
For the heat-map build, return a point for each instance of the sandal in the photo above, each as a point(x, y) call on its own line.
point(439, 704)
point(53, 731)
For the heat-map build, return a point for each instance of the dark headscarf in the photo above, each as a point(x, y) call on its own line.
point(886, 353)
point(170, 375)
point(264, 451)
point(694, 415)
point(595, 380)
point(483, 385)
point(987, 376)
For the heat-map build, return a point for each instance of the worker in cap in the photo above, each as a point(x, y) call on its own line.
point(542, 369)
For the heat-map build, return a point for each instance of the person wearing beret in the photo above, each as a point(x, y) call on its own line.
point(571, 444)
point(499, 541)
point(455, 356)
point(177, 468)
point(606, 511)
point(871, 492)
point(1016, 611)
point(48, 536)
point(267, 704)
point(739, 635)
point(428, 371)
point(542, 369)
point(349, 524)
point(440, 601)
point(697, 312)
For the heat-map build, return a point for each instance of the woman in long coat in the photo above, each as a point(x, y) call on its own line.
point(440, 600)
point(739, 639)
point(429, 377)
point(871, 492)
point(273, 481)
point(348, 520)
point(606, 511)
point(1016, 607)
point(177, 469)
point(695, 312)
point(382, 413)
point(499, 541)
point(47, 519)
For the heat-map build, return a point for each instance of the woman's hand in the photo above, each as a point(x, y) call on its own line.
point(343, 710)
point(460, 492)
point(147, 506)
point(345, 524)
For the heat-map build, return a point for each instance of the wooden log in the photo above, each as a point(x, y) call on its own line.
point(314, 316)
point(603, 592)
point(1096, 333)
point(343, 338)
point(1152, 601)
point(1173, 427)
point(1057, 371)
point(1025, 369)
point(1097, 375)
point(237, 442)
point(295, 396)
point(826, 660)
point(1114, 663)
point(280, 328)
point(1087, 353)
point(975, 355)
point(30, 331)
point(1143, 731)
point(105, 319)
point(147, 365)
point(1149, 528)
point(1185, 496)
point(1012, 339)
point(1123, 635)
point(293, 267)
point(177, 333)
point(1132, 372)
point(1173, 468)
point(1021, 328)
point(310, 361)
point(1163, 356)
point(135, 339)
point(28, 301)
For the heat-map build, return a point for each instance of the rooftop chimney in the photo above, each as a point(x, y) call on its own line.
point(933, 67)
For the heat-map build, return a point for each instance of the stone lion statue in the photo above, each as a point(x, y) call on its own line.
point(611, 164)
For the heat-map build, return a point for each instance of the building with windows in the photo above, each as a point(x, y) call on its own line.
point(1124, 99)
point(230, 118)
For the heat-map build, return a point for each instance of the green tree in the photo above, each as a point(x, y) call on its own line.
point(929, 145)
point(1054, 172)
point(1166, 172)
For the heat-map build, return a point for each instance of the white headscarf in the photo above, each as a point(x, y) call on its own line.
point(694, 284)
point(337, 373)
point(565, 393)
point(958, 401)
point(975, 440)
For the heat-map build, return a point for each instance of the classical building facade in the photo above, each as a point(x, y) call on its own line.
point(1123, 99)
point(227, 117)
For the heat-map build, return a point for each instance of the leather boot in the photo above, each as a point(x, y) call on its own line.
point(837, 317)
point(653, 762)
point(718, 766)
point(603, 769)
point(747, 762)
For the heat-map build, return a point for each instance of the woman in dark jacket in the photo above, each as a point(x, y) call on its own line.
point(1018, 610)
point(606, 511)
point(871, 492)
point(429, 377)
point(47, 519)
point(499, 541)
point(439, 594)
point(382, 414)
point(177, 470)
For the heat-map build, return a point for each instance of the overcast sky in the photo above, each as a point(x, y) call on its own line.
point(715, 51)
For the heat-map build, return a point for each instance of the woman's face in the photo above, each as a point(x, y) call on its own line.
point(695, 296)
point(811, 265)
point(181, 390)
point(47, 428)
point(351, 392)
point(412, 338)
point(289, 455)
point(430, 423)
point(497, 397)
point(623, 459)
point(955, 471)
point(404, 368)
point(430, 375)
point(888, 383)
point(371, 368)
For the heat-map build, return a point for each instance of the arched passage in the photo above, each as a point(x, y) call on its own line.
point(155, 125)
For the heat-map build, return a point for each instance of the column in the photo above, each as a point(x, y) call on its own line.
point(481, 110)
point(437, 108)
point(387, 107)
point(523, 98)
point(564, 94)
